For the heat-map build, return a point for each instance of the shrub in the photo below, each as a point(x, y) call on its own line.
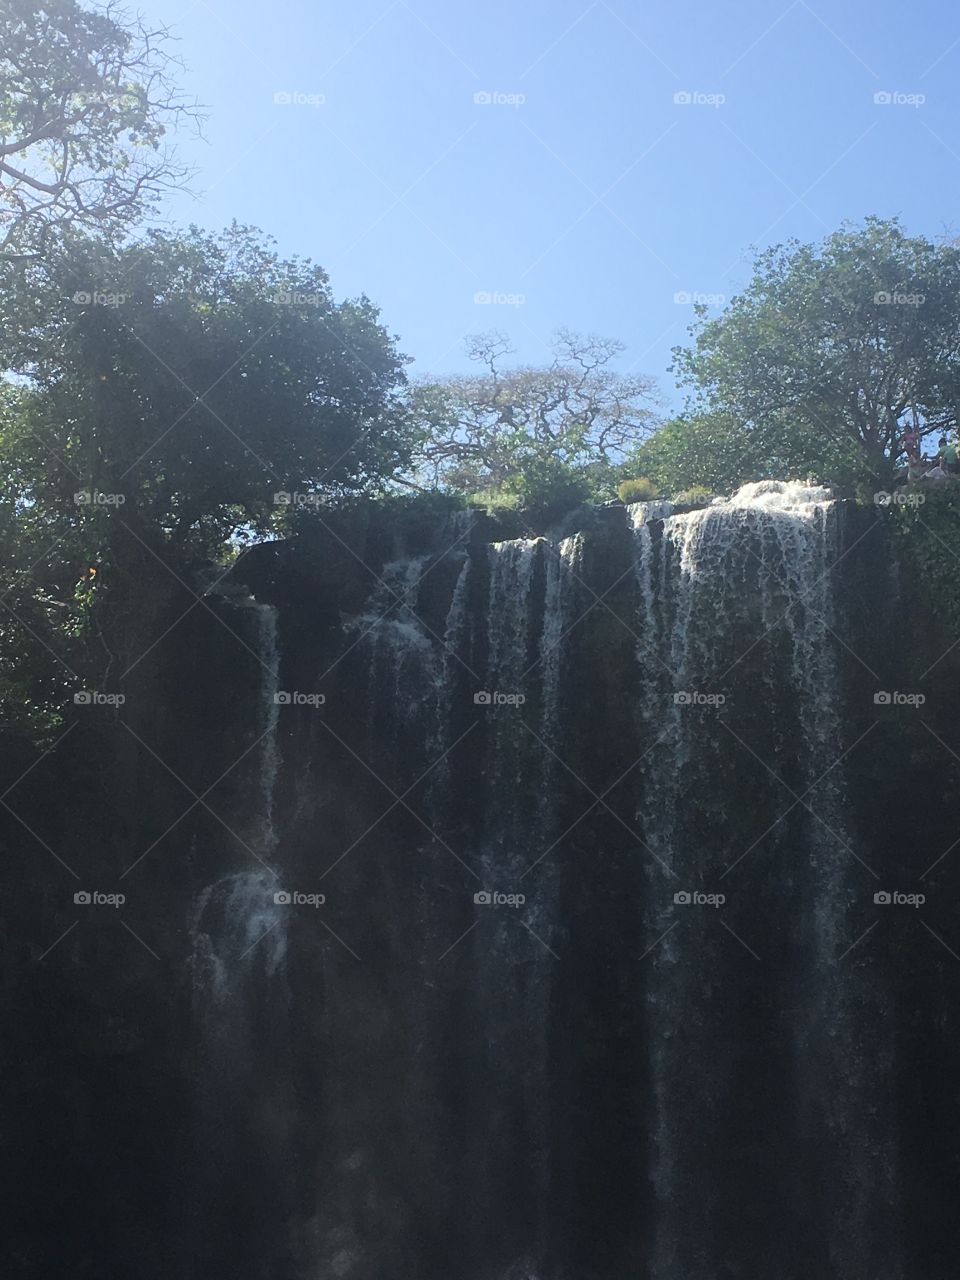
point(543, 491)
point(639, 490)
point(927, 536)
point(494, 501)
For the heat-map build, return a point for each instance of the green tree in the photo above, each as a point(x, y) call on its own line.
point(86, 100)
point(833, 348)
point(39, 643)
point(507, 428)
point(183, 381)
point(162, 399)
point(719, 452)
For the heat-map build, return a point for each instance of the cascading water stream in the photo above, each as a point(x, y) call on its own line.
point(239, 948)
point(500, 674)
point(234, 913)
point(269, 654)
point(751, 572)
point(564, 570)
point(512, 566)
point(403, 665)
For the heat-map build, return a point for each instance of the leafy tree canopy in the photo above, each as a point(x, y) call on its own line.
point(182, 381)
point(499, 429)
point(719, 452)
point(86, 99)
point(832, 348)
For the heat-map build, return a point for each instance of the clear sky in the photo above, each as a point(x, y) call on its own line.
point(581, 193)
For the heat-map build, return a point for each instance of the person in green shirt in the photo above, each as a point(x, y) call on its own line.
point(948, 455)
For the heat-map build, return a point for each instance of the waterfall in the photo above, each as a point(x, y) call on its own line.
point(390, 626)
point(641, 513)
point(758, 558)
point(259, 622)
point(651, 1061)
point(449, 686)
point(239, 932)
point(240, 1058)
point(752, 572)
point(455, 529)
point(512, 567)
point(509, 635)
point(564, 569)
point(457, 617)
point(238, 928)
point(403, 664)
point(269, 654)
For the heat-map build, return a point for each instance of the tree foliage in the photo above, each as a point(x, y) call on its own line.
point(37, 640)
point(831, 349)
point(86, 100)
point(182, 381)
point(162, 397)
point(927, 538)
point(719, 452)
point(500, 428)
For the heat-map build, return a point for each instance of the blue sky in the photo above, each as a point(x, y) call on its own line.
point(583, 194)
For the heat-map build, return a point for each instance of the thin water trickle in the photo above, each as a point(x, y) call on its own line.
point(564, 569)
point(269, 654)
point(238, 927)
point(512, 567)
point(404, 669)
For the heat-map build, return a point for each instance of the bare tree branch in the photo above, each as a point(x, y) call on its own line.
point(480, 430)
point(86, 100)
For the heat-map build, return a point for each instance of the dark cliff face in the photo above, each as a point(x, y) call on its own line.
point(598, 985)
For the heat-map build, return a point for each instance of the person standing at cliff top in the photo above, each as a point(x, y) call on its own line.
point(911, 444)
point(948, 455)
